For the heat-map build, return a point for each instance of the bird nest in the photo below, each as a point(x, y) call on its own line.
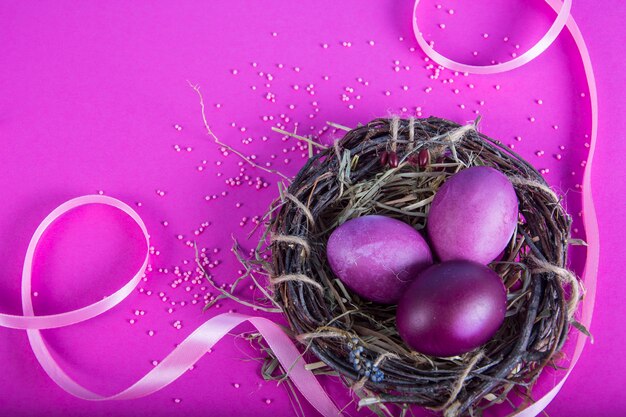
point(394, 167)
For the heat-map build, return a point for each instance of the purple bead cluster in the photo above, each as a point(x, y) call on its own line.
point(362, 365)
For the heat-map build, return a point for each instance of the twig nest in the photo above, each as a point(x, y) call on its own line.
point(394, 167)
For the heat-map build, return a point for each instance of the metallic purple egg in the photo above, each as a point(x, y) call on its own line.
point(452, 308)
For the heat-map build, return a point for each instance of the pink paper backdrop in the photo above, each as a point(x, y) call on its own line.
point(94, 98)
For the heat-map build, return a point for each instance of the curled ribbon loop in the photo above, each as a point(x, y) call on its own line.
point(180, 359)
point(29, 320)
point(563, 14)
point(563, 19)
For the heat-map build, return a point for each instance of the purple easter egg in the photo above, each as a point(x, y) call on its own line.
point(473, 215)
point(451, 308)
point(377, 257)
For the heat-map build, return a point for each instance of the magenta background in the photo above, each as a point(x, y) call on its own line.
point(90, 93)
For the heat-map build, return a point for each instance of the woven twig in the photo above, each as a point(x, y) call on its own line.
point(348, 180)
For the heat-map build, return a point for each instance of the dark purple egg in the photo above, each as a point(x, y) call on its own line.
point(473, 215)
point(451, 308)
point(377, 257)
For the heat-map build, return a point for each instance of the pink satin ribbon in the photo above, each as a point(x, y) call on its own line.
point(180, 359)
point(563, 19)
point(29, 320)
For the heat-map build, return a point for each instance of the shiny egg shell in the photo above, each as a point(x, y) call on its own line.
point(451, 308)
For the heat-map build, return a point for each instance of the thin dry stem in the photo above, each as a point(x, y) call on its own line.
point(196, 88)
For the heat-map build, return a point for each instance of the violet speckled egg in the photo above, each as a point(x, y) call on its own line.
point(451, 308)
point(377, 257)
point(473, 215)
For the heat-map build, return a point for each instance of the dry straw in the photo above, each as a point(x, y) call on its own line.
point(394, 167)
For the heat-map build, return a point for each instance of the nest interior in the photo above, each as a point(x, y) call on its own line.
point(353, 178)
